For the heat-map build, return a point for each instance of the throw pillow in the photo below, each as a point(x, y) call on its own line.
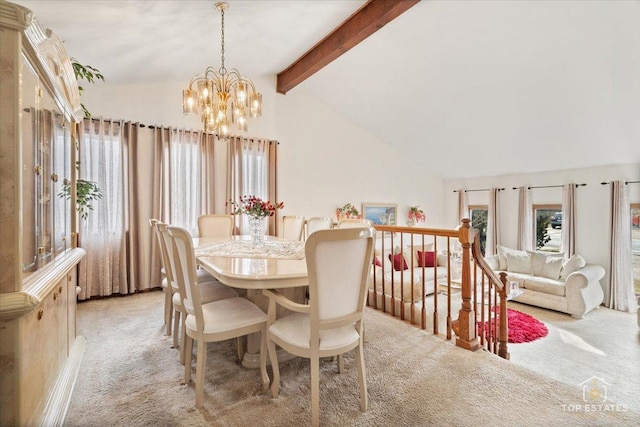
point(518, 263)
point(502, 251)
point(426, 258)
point(575, 263)
point(399, 263)
point(552, 267)
point(538, 260)
point(377, 262)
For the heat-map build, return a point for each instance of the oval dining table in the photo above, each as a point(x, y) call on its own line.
point(253, 273)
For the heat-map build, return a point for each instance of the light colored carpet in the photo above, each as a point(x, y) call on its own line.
point(131, 376)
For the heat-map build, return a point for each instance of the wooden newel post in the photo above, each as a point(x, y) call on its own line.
point(504, 324)
point(465, 326)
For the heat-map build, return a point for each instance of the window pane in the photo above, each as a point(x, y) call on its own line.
point(548, 228)
point(479, 217)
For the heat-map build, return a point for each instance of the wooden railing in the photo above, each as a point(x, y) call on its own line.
point(423, 294)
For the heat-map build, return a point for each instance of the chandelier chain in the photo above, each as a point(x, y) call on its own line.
point(223, 70)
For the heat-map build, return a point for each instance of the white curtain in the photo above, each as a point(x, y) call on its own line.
point(103, 270)
point(569, 220)
point(185, 179)
point(619, 292)
point(525, 220)
point(493, 232)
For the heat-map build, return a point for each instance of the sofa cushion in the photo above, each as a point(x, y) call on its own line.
point(575, 263)
point(502, 251)
point(538, 260)
point(545, 285)
point(518, 263)
point(551, 268)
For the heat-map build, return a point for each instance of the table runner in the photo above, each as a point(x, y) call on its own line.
point(281, 249)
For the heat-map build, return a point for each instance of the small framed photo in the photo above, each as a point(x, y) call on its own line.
point(380, 213)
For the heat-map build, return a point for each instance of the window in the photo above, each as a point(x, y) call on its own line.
point(548, 227)
point(635, 246)
point(479, 219)
point(255, 175)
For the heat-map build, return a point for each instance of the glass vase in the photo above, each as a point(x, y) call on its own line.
point(256, 229)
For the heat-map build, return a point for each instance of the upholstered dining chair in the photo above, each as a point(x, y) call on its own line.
point(213, 321)
point(354, 223)
point(316, 223)
point(211, 290)
point(166, 286)
point(292, 227)
point(215, 225)
point(338, 264)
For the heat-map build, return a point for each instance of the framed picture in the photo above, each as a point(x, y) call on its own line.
point(380, 213)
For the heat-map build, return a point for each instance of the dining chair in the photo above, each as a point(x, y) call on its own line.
point(166, 286)
point(213, 321)
point(316, 223)
point(331, 324)
point(215, 225)
point(292, 227)
point(211, 290)
point(354, 223)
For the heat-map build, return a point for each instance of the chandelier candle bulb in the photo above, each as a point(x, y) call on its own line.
point(222, 96)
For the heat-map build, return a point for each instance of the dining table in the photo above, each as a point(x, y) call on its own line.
point(239, 263)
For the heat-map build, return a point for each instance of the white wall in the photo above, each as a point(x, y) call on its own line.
point(324, 161)
point(592, 204)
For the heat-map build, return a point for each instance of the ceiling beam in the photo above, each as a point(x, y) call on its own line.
point(372, 16)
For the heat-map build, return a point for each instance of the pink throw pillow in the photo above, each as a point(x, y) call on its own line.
point(377, 262)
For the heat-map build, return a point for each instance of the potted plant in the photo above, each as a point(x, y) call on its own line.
point(347, 211)
point(415, 215)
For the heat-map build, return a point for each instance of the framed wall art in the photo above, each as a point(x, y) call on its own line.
point(380, 213)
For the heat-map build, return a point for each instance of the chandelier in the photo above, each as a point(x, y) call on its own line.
point(222, 97)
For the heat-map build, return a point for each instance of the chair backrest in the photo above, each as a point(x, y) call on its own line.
point(214, 225)
point(292, 227)
point(165, 251)
point(185, 271)
point(354, 223)
point(319, 223)
point(338, 264)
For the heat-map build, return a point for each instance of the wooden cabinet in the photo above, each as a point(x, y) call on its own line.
point(39, 109)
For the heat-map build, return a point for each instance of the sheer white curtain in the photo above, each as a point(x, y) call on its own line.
point(525, 220)
point(102, 271)
point(569, 220)
point(619, 293)
point(252, 170)
point(185, 179)
point(493, 231)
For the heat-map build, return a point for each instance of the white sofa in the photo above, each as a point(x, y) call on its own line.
point(548, 280)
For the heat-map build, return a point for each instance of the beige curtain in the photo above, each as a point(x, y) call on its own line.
point(619, 294)
point(569, 220)
point(245, 170)
point(103, 271)
point(525, 220)
point(493, 231)
point(463, 205)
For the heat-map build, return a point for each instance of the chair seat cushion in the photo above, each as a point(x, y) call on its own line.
point(295, 329)
point(227, 315)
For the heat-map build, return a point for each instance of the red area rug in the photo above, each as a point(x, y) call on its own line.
point(522, 327)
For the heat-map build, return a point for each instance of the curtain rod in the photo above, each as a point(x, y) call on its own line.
point(625, 183)
point(549, 186)
point(478, 189)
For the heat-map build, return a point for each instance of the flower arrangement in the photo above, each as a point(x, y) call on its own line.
point(416, 214)
point(254, 207)
point(347, 211)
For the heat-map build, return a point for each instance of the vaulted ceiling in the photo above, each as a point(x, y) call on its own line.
point(503, 87)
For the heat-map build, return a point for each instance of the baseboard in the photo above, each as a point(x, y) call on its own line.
point(56, 409)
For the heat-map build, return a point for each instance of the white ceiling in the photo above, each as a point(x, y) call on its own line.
point(502, 87)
